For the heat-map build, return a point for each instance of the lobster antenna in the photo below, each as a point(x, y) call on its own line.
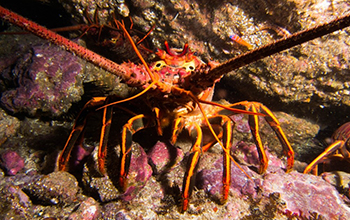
point(63, 42)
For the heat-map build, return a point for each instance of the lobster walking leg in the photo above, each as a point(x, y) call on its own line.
point(274, 124)
point(338, 149)
point(329, 151)
point(227, 126)
point(134, 124)
point(106, 126)
point(197, 135)
point(177, 128)
point(192, 165)
point(77, 134)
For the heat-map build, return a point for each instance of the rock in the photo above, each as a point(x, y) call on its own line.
point(88, 210)
point(305, 195)
point(48, 80)
point(15, 203)
point(162, 157)
point(12, 162)
point(8, 126)
point(55, 188)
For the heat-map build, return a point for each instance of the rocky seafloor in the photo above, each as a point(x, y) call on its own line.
point(43, 88)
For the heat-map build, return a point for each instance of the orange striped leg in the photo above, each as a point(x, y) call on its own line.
point(227, 126)
point(106, 126)
point(192, 165)
point(134, 124)
point(329, 150)
point(254, 127)
point(76, 136)
point(226, 134)
point(274, 124)
point(177, 128)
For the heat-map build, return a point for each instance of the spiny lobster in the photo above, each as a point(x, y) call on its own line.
point(178, 90)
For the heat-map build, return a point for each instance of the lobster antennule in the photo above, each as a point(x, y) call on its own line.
point(171, 53)
point(184, 51)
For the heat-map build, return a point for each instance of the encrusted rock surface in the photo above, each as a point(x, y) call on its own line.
point(12, 162)
point(307, 79)
point(54, 188)
point(49, 80)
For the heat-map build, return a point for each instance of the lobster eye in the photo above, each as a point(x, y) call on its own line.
point(189, 66)
point(114, 40)
point(159, 65)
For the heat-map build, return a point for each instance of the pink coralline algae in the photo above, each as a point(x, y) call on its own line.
point(211, 181)
point(306, 194)
point(48, 81)
point(301, 195)
point(162, 156)
point(139, 174)
point(241, 123)
point(249, 153)
point(79, 156)
point(12, 162)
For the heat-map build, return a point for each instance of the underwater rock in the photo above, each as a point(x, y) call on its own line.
point(48, 80)
point(162, 157)
point(55, 188)
point(8, 126)
point(15, 203)
point(114, 211)
point(297, 194)
point(139, 174)
point(340, 180)
point(88, 209)
point(306, 194)
point(299, 131)
point(12, 162)
point(211, 181)
point(78, 157)
point(241, 123)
